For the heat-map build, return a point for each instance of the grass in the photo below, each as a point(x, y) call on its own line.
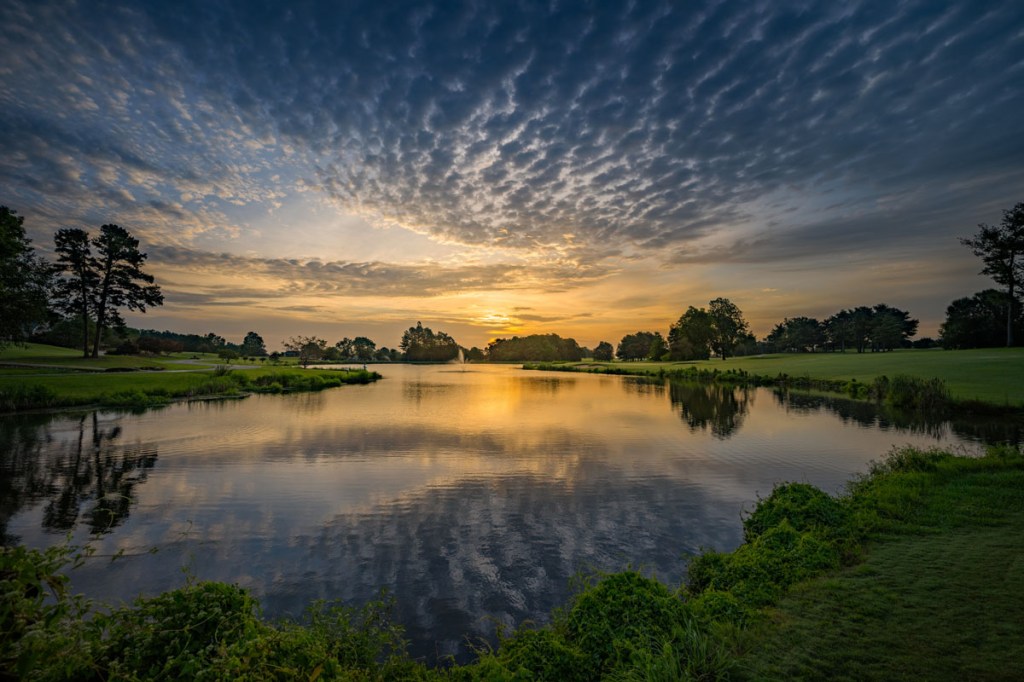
point(55, 356)
point(938, 598)
point(24, 387)
point(991, 375)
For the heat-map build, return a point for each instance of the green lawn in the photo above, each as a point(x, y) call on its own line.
point(39, 354)
point(940, 599)
point(993, 375)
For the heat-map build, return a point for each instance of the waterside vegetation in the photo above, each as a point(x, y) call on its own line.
point(976, 379)
point(809, 594)
point(44, 377)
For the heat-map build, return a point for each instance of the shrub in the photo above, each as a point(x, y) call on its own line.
point(804, 506)
point(759, 571)
point(543, 655)
point(42, 633)
point(195, 632)
point(621, 614)
point(715, 605)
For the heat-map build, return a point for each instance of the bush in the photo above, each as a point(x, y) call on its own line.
point(196, 632)
point(543, 655)
point(759, 571)
point(619, 615)
point(804, 506)
point(42, 632)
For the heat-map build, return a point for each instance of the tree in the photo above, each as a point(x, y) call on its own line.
point(798, 334)
point(309, 348)
point(539, 347)
point(604, 352)
point(640, 346)
point(890, 327)
point(839, 330)
point(727, 326)
point(420, 343)
point(977, 321)
point(24, 281)
point(364, 348)
point(345, 348)
point(119, 264)
point(690, 337)
point(1002, 250)
point(253, 345)
point(73, 292)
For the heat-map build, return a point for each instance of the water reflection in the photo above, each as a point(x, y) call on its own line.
point(872, 415)
point(472, 496)
point(711, 406)
point(82, 474)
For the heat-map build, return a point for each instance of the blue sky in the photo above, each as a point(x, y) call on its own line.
point(492, 168)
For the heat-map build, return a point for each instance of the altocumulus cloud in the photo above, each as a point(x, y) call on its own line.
point(573, 129)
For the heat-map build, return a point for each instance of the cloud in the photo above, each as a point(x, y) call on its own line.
point(287, 278)
point(649, 127)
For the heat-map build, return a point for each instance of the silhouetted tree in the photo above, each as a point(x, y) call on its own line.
point(253, 345)
point(364, 348)
point(604, 352)
point(24, 281)
point(839, 331)
point(1002, 250)
point(977, 321)
point(121, 281)
point(640, 346)
point(421, 343)
point(890, 327)
point(537, 347)
point(73, 293)
point(309, 348)
point(727, 326)
point(798, 334)
point(690, 337)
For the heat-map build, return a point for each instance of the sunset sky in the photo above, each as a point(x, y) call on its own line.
point(491, 168)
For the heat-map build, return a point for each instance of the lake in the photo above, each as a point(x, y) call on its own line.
point(472, 494)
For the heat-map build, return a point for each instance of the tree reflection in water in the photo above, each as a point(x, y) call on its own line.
point(716, 406)
point(90, 477)
point(991, 429)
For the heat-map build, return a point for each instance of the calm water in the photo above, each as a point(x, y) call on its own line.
point(472, 496)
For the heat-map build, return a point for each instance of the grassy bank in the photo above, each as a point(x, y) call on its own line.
point(102, 381)
point(994, 376)
point(914, 574)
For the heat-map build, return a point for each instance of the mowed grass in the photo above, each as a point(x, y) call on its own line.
point(941, 598)
point(992, 375)
point(55, 356)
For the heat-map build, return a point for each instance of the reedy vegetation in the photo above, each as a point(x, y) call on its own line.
point(622, 626)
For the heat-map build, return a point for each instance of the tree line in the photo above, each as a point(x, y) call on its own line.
point(77, 301)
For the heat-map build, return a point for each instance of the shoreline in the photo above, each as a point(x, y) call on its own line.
point(43, 394)
point(877, 391)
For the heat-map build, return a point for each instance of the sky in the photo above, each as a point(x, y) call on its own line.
point(495, 168)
